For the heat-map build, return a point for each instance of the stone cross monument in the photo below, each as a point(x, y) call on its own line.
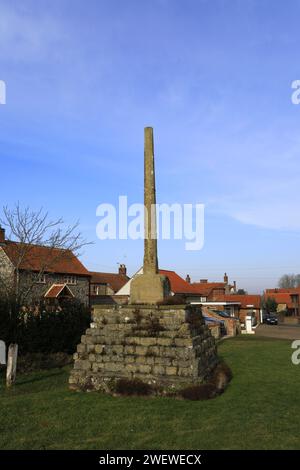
point(164, 345)
point(149, 287)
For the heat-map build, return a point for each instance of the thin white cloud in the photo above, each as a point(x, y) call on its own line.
point(25, 36)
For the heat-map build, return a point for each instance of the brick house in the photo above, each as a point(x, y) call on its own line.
point(288, 300)
point(208, 291)
point(103, 286)
point(45, 273)
point(230, 324)
point(243, 304)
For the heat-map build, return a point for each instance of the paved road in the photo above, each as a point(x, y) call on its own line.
point(278, 331)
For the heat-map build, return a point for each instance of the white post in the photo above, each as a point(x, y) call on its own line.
point(11, 371)
point(248, 321)
point(2, 353)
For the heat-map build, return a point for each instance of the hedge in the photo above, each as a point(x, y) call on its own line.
point(49, 331)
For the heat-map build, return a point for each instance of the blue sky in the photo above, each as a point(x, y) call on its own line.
point(213, 78)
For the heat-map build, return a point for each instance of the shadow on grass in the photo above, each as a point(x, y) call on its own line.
point(39, 377)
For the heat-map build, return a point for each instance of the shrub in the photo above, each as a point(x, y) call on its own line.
point(172, 300)
point(151, 327)
point(216, 385)
point(46, 332)
point(38, 361)
point(133, 387)
point(221, 376)
point(154, 327)
point(199, 392)
point(137, 315)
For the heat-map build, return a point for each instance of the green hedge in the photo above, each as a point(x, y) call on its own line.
point(47, 332)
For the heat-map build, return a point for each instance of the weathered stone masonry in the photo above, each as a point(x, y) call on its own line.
point(167, 346)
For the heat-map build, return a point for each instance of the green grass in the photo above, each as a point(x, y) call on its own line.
point(259, 410)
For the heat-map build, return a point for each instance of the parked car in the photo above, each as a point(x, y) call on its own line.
point(270, 320)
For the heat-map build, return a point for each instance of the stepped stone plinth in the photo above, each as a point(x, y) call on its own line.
point(169, 347)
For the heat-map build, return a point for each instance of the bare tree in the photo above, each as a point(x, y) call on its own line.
point(288, 281)
point(26, 230)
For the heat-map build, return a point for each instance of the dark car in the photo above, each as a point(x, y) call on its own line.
point(271, 320)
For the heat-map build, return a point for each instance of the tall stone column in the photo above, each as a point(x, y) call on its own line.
point(149, 287)
point(150, 249)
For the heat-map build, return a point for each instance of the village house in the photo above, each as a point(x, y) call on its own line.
point(222, 297)
point(242, 305)
point(287, 300)
point(103, 286)
point(45, 273)
point(208, 291)
point(220, 322)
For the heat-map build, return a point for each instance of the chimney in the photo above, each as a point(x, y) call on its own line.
point(188, 279)
point(234, 286)
point(2, 236)
point(203, 281)
point(122, 270)
point(225, 278)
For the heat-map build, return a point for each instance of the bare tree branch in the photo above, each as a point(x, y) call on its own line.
point(29, 229)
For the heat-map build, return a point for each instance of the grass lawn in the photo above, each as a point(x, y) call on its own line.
point(259, 410)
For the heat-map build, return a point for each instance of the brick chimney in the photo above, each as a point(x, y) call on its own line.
point(203, 281)
point(122, 270)
point(188, 279)
point(225, 278)
point(2, 236)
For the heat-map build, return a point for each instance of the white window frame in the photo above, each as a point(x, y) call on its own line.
point(41, 278)
point(70, 280)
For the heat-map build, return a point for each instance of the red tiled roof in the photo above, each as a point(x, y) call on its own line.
point(178, 284)
point(37, 258)
point(205, 288)
point(244, 300)
point(55, 290)
point(114, 280)
point(281, 298)
point(289, 290)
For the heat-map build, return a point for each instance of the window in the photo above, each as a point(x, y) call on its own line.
point(202, 299)
point(99, 289)
point(96, 290)
point(41, 278)
point(70, 280)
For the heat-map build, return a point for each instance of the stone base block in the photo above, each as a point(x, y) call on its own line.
point(169, 347)
point(149, 288)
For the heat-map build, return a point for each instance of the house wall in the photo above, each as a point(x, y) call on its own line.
point(6, 273)
point(244, 311)
point(80, 289)
point(232, 325)
point(215, 293)
point(103, 289)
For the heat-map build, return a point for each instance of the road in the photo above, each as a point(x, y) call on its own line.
point(278, 331)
